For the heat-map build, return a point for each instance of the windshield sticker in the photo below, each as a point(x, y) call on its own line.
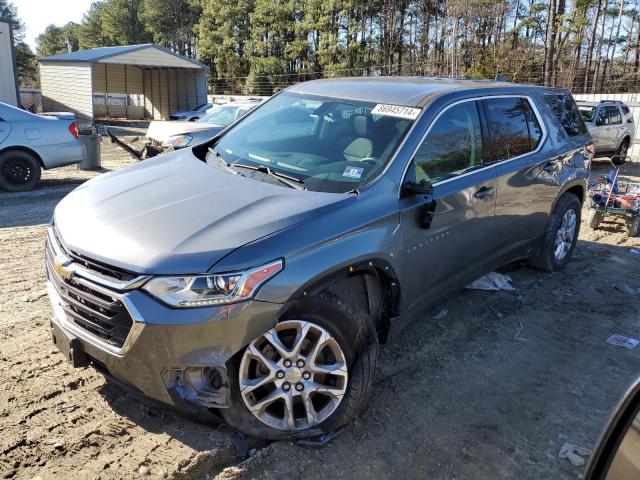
point(396, 111)
point(353, 172)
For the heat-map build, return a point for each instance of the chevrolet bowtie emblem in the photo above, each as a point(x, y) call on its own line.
point(61, 269)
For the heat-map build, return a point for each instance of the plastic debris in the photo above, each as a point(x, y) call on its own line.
point(518, 332)
point(320, 440)
point(635, 251)
point(574, 453)
point(622, 341)
point(626, 288)
point(441, 314)
point(492, 281)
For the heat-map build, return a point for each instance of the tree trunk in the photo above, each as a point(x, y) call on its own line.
point(550, 42)
point(596, 73)
point(592, 42)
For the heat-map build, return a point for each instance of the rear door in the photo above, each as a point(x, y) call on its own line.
point(602, 131)
point(524, 190)
point(616, 127)
point(447, 236)
point(530, 182)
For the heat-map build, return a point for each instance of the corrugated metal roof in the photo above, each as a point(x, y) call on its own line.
point(100, 54)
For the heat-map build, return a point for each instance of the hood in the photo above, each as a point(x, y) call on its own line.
point(160, 131)
point(175, 214)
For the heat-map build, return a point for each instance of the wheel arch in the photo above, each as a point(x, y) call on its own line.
point(577, 187)
point(28, 150)
point(626, 137)
point(374, 282)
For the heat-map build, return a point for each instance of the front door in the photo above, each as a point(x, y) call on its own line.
point(447, 236)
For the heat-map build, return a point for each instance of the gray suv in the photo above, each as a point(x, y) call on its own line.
point(610, 123)
point(255, 275)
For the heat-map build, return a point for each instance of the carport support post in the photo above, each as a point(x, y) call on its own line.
point(126, 91)
point(106, 90)
point(175, 87)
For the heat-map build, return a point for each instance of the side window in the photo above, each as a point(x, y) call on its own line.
point(453, 145)
point(627, 114)
point(614, 115)
point(535, 130)
point(566, 111)
point(602, 118)
point(508, 127)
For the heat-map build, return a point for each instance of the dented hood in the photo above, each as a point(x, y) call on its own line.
point(176, 214)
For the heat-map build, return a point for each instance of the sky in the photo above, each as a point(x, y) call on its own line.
point(39, 14)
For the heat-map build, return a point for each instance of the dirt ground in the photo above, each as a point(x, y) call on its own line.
point(491, 390)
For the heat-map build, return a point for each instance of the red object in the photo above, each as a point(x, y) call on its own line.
point(73, 128)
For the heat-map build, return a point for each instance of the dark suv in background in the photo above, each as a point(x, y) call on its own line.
point(256, 274)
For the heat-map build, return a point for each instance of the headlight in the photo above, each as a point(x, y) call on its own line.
point(206, 290)
point(179, 140)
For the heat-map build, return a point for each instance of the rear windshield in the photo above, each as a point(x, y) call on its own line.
point(566, 111)
point(587, 112)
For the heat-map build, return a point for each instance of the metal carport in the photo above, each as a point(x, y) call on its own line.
point(131, 82)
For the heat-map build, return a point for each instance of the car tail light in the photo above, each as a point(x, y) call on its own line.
point(591, 148)
point(73, 129)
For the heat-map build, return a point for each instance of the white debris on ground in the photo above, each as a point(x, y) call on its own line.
point(492, 281)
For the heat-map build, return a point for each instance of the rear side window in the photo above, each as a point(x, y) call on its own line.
point(453, 145)
point(509, 126)
point(566, 111)
point(614, 115)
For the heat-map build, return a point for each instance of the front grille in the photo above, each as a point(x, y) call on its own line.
point(100, 314)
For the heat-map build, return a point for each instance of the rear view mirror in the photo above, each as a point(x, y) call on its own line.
point(617, 454)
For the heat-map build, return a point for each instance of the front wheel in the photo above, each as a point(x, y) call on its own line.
point(561, 235)
point(308, 375)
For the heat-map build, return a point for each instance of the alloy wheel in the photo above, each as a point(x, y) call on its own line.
point(565, 234)
point(294, 376)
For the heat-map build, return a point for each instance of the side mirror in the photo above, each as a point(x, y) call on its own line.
point(423, 187)
point(616, 454)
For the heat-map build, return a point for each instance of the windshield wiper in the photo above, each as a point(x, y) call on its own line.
point(288, 180)
point(222, 162)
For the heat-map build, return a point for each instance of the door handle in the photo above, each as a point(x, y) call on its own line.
point(484, 192)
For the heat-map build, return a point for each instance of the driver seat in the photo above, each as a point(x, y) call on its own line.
point(361, 147)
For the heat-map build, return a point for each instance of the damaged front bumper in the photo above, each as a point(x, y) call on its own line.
point(176, 356)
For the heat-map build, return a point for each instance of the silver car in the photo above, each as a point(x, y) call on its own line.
point(610, 123)
point(29, 143)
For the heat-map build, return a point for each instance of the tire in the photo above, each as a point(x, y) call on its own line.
point(633, 226)
point(545, 257)
point(351, 328)
point(19, 171)
point(595, 217)
point(623, 149)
